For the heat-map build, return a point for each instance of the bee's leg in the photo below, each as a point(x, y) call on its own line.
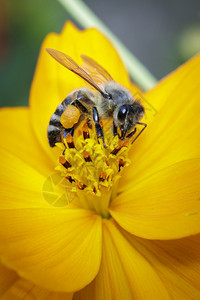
point(80, 106)
point(98, 127)
point(114, 129)
point(131, 134)
point(143, 124)
point(70, 131)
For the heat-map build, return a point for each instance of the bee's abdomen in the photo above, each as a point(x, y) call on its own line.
point(55, 128)
point(54, 135)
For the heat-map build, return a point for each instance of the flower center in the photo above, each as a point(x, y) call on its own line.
point(91, 165)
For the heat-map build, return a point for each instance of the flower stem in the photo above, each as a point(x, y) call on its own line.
point(86, 18)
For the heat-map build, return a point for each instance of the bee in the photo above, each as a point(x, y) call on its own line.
point(107, 100)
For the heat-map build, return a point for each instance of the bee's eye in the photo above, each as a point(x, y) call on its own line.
point(122, 112)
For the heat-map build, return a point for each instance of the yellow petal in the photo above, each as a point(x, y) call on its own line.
point(52, 82)
point(170, 140)
point(165, 205)
point(17, 136)
point(124, 272)
point(173, 136)
point(7, 278)
point(21, 185)
point(176, 262)
point(57, 249)
point(27, 175)
point(13, 287)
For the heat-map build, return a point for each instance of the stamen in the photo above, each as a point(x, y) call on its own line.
point(121, 144)
point(121, 164)
point(102, 176)
point(88, 165)
point(81, 186)
point(64, 162)
point(70, 179)
point(116, 150)
point(69, 140)
point(86, 156)
point(85, 132)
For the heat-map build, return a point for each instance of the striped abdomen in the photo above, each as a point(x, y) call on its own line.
point(55, 129)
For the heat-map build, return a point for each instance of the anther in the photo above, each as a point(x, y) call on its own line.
point(117, 149)
point(70, 141)
point(81, 186)
point(102, 176)
point(85, 132)
point(121, 144)
point(70, 179)
point(64, 162)
point(86, 156)
point(121, 164)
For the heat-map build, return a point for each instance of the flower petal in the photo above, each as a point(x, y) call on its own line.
point(21, 185)
point(7, 278)
point(177, 263)
point(52, 82)
point(165, 205)
point(124, 272)
point(13, 287)
point(173, 136)
point(18, 138)
point(57, 249)
point(167, 148)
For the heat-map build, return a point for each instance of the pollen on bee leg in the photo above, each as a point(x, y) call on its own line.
point(70, 116)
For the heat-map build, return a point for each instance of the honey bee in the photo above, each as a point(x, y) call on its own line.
point(109, 100)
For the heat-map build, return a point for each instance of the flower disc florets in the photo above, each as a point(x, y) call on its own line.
point(89, 163)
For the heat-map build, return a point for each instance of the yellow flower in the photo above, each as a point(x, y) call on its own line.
point(143, 244)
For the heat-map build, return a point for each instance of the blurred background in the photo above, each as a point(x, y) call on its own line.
point(162, 34)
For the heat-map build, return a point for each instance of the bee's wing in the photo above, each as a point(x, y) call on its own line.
point(96, 70)
point(71, 65)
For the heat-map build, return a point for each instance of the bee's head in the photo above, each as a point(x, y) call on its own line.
point(127, 117)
